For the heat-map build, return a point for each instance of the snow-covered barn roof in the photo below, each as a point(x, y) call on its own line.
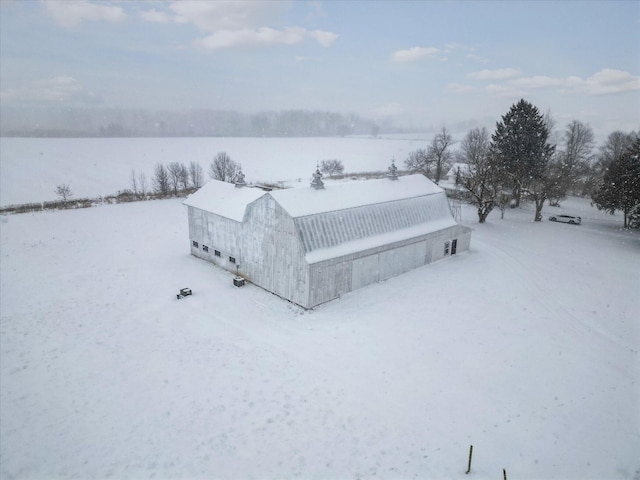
point(224, 199)
point(300, 202)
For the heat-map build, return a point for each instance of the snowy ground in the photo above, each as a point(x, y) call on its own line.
point(526, 347)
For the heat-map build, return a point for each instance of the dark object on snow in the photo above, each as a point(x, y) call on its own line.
point(184, 292)
point(238, 281)
point(470, 454)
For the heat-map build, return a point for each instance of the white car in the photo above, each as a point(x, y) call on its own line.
point(573, 220)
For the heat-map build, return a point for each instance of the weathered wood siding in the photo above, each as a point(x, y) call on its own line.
point(216, 233)
point(273, 256)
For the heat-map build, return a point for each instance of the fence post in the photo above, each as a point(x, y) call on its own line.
point(470, 453)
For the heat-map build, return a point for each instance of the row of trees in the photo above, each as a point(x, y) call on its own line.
point(176, 177)
point(520, 161)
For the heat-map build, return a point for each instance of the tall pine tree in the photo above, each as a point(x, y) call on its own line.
point(520, 145)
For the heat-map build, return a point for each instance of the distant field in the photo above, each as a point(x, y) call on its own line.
point(31, 168)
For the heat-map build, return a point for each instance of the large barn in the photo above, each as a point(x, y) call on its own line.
point(316, 243)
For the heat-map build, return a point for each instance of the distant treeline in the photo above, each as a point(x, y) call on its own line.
point(125, 196)
point(194, 123)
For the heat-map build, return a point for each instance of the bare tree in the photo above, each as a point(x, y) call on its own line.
point(440, 152)
point(571, 162)
point(133, 179)
point(64, 192)
point(223, 168)
point(615, 144)
point(483, 178)
point(196, 175)
point(433, 161)
point(161, 180)
point(419, 161)
point(173, 169)
point(183, 178)
point(142, 184)
point(550, 122)
point(331, 167)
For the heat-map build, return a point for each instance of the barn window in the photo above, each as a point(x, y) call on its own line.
point(232, 259)
point(446, 248)
point(195, 244)
point(205, 248)
point(216, 253)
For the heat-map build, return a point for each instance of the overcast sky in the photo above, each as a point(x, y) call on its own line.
point(422, 63)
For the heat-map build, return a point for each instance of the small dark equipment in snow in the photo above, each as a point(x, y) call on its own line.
point(238, 281)
point(184, 292)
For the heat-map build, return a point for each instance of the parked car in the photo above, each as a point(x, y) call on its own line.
point(573, 220)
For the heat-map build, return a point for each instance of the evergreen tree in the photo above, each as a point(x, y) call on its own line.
point(620, 187)
point(520, 145)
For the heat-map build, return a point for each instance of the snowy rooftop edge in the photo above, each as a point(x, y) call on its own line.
point(367, 243)
point(224, 199)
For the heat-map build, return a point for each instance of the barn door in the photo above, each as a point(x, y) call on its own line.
point(454, 246)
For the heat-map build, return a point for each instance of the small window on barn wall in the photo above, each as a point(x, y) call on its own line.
point(195, 244)
point(446, 248)
point(454, 246)
point(232, 259)
point(216, 253)
point(205, 248)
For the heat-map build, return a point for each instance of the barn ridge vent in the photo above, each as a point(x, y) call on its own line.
point(393, 175)
point(240, 180)
point(317, 182)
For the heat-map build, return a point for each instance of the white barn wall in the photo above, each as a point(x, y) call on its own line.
point(327, 248)
point(273, 256)
point(217, 233)
point(332, 278)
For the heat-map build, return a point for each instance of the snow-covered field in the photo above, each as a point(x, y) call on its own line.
point(526, 346)
point(31, 168)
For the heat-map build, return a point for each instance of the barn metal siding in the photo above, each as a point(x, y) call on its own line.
point(332, 278)
point(328, 281)
point(329, 229)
